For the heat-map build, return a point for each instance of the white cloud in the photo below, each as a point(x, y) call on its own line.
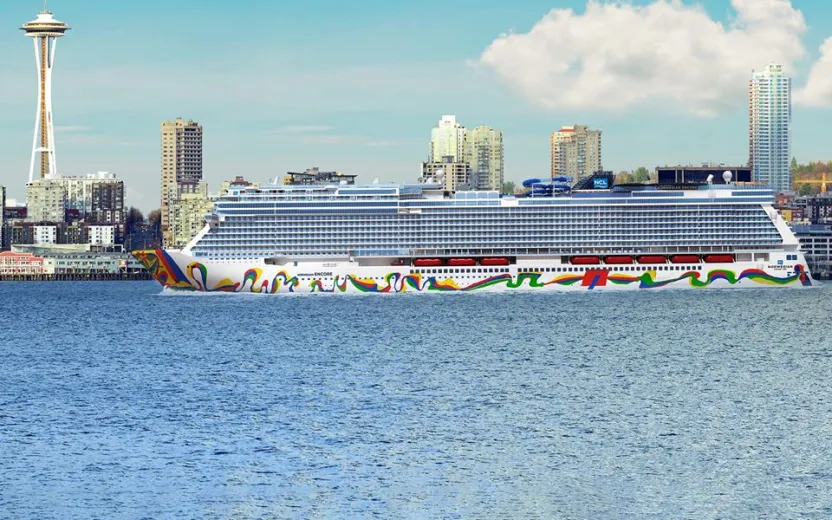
point(617, 55)
point(818, 89)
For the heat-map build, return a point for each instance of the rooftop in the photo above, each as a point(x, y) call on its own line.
point(45, 25)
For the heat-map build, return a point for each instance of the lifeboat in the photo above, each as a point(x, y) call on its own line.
point(719, 259)
point(618, 260)
point(685, 259)
point(462, 261)
point(652, 259)
point(494, 261)
point(584, 260)
point(427, 262)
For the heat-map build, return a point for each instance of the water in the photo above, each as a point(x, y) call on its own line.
point(118, 402)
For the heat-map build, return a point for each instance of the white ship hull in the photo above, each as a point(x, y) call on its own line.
point(177, 271)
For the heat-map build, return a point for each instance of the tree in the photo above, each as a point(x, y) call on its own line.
point(808, 189)
point(794, 165)
point(154, 218)
point(623, 177)
point(508, 188)
point(641, 175)
point(154, 223)
point(132, 219)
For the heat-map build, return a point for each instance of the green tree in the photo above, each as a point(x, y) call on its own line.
point(508, 188)
point(807, 189)
point(794, 165)
point(641, 174)
point(623, 177)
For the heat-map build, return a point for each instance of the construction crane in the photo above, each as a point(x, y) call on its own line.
point(822, 182)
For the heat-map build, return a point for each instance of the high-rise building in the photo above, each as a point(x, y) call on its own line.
point(45, 201)
point(484, 154)
point(181, 161)
point(95, 197)
point(575, 151)
point(447, 140)
point(769, 118)
point(44, 31)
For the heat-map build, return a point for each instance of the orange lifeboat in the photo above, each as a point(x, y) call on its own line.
point(685, 259)
point(652, 259)
point(494, 261)
point(719, 259)
point(427, 262)
point(585, 260)
point(618, 260)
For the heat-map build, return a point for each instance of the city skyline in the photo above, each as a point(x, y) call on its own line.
point(364, 108)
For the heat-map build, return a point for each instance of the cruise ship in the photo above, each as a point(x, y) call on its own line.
point(387, 238)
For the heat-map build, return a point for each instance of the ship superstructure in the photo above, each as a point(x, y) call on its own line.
point(396, 238)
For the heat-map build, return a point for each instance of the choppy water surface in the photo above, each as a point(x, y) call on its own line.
point(118, 402)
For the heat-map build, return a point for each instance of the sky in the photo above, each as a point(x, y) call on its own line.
point(284, 85)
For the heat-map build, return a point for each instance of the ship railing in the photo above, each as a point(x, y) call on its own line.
point(583, 251)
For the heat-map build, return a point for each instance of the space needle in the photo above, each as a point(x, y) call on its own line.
point(44, 31)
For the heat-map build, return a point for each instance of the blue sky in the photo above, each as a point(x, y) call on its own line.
point(357, 86)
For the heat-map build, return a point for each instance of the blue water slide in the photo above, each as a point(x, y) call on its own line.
point(529, 182)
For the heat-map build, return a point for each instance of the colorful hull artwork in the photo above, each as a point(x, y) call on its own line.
point(181, 272)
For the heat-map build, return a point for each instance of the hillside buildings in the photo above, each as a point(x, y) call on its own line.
point(85, 209)
point(95, 198)
point(769, 120)
point(187, 213)
point(181, 156)
point(575, 152)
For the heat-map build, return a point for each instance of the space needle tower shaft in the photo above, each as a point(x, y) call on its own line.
point(44, 31)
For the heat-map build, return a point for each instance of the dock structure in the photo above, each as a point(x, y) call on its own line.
point(76, 277)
